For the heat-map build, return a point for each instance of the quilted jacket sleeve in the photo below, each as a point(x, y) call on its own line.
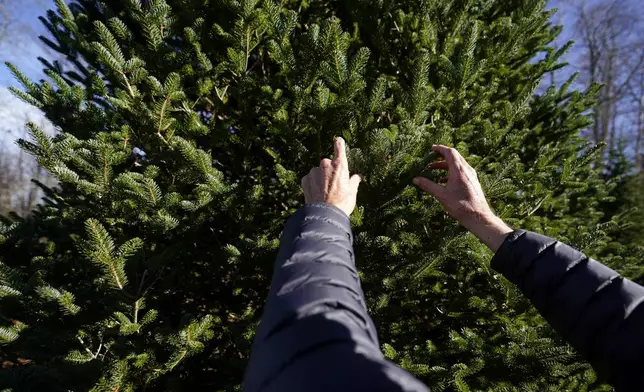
point(315, 333)
point(597, 311)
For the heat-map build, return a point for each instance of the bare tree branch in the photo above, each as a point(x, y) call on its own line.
point(611, 34)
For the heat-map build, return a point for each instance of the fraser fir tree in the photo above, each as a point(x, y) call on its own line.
point(184, 128)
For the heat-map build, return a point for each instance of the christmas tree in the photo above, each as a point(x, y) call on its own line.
point(184, 129)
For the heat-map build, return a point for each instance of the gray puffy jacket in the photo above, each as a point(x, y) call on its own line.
point(316, 334)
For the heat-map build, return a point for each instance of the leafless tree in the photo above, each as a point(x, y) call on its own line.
point(17, 169)
point(17, 192)
point(611, 34)
point(637, 94)
point(4, 16)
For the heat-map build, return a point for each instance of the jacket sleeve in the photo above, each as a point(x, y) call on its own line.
point(597, 311)
point(315, 333)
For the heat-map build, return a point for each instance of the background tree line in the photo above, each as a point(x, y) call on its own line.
point(609, 38)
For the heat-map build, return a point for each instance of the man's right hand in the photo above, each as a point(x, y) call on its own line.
point(463, 198)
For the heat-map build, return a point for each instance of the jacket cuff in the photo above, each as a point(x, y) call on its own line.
point(330, 212)
point(323, 211)
point(503, 260)
point(333, 209)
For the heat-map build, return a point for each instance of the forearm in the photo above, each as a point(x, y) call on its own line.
point(597, 311)
point(315, 300)
point(315, 266)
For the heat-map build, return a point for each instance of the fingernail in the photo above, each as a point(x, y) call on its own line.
point(416, 181)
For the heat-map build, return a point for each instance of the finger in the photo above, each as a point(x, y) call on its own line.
point(354, 181)
point(316, 174)
point(305, 187)
point(307, 178)
point(311, 177)
point(458, 158)
point(473, 170)
point(443, 181)
point(428, 186)
point(326, 163)
point(455, 161)
point(440, 165)
point(340, 152)
point(450, 154)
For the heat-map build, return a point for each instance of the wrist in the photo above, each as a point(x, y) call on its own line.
point(489, 228)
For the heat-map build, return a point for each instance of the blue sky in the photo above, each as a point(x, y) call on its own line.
point(22, 46)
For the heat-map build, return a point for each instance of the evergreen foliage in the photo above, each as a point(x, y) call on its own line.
point(627, 205)
point(185, 126)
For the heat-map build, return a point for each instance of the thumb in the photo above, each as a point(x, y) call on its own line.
point(354, 181)
point(428, 186)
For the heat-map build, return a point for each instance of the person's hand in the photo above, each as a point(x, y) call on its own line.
point(463, 198)
point(330, 182)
